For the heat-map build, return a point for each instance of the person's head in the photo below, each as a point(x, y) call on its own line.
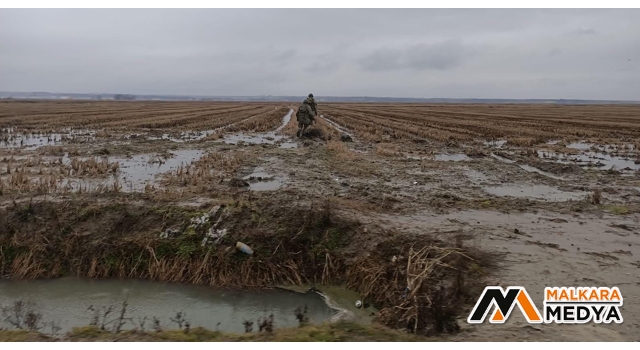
point(310, 95)
point(306, 102)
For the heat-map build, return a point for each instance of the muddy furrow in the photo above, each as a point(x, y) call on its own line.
point(338, 127)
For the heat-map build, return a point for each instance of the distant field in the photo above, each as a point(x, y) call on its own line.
point(523, 125)
point(180, 115)
point(520, 124)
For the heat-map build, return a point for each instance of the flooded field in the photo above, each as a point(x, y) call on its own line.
point(172, 189)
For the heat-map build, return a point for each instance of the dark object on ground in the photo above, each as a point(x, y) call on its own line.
point(235, 182)
point(313, 133)
point(346, 138)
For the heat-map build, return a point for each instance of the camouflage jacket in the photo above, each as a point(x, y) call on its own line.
point(305, 112)
point(313, 104)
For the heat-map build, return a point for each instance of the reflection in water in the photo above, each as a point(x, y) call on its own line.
point(67, 300)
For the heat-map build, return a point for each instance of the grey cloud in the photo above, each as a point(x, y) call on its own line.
point(285, 56)
point(440, 56)
point(585, 31)
point(502, 53)
point(322, 67)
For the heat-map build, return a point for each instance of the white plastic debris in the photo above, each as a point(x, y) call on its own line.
point(244, 248)
point(200, 220)
point(169, 233)
point(214, 234)
point(358, 304)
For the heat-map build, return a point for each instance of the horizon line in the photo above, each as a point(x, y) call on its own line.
point(304, 95)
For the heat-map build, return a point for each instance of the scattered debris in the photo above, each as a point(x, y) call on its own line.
point(244, 248)
point(215, 234)
point(170, 233)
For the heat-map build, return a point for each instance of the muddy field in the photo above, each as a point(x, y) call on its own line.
point(551, 193)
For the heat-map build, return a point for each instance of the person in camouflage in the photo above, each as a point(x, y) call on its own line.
point(312, 103)
point(305, 116)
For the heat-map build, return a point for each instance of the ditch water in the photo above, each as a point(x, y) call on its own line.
point(66, 300)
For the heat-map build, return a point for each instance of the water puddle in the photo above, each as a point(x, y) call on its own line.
point(264, 138)
point(502, 159)
point(495, 143)
point(536, 170)
point(452, 157)
point(584, 146)
point(475, 176)
point(9, 139)
point(580, 145)
point(185, 136)
point(289, 145)
point(541, 192)
point(136, 172)
point(259, 180)
point(598, 160)
point(66, 301)
point(142, 169)
point(285, 120)
point(270, 137)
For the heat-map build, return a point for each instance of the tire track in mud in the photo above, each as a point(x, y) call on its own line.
point(262, 137)
point(338, 127)
point(250, 118)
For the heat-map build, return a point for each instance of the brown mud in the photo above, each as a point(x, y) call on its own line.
point(571, 218)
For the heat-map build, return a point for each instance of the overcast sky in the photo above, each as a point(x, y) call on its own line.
point(586, 54)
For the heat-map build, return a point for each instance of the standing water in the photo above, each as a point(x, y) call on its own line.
point(270, 137)
point(67, 299)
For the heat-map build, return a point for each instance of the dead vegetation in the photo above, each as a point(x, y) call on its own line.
point(261, 123)
point(292, 245)
point(520, 125)
point(51, 123)
point(212, 168)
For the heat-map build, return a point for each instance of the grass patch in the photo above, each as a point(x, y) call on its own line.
point(21, 336)
point(618, 209)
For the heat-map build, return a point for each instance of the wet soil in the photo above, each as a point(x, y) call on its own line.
point(532, 206)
